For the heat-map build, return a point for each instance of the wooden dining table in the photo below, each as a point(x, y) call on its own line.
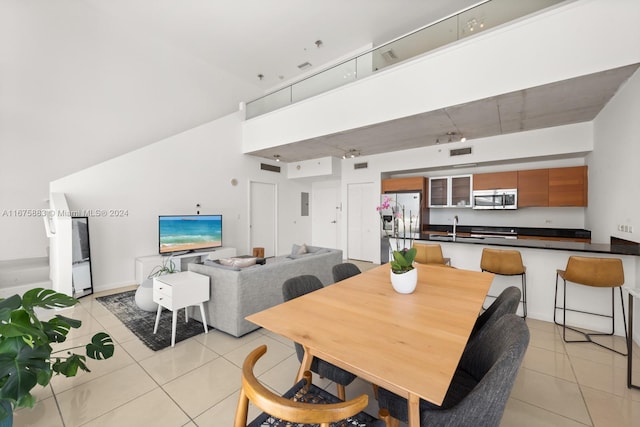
point(409, 344)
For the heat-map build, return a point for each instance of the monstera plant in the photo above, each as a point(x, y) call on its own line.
point(26, 355)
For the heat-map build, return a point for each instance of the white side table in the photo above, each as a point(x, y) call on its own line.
point(180, 290)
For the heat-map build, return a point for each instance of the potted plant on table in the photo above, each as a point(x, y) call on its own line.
point(404, 276)
point(26, 355)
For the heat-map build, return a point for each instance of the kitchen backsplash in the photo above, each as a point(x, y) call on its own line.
point(526, 217)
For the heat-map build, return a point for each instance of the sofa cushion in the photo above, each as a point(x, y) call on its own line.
point(244, 262)
point(238, 262)
point(298, 249)
point(217, 264)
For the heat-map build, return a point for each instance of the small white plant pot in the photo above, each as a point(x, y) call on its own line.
point(405, 283)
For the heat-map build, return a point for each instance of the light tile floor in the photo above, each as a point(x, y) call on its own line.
point(196, 383)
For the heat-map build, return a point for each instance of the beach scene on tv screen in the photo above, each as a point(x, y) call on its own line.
point(178, 233)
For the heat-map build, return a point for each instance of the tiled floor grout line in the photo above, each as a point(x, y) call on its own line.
point(584, 399)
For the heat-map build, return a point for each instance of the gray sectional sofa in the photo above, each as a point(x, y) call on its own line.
point(239, 292)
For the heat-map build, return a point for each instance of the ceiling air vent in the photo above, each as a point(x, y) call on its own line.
point(363, 165)
point(460, 151)
point(270, 168)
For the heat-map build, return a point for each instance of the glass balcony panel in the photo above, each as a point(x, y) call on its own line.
point(268, 103)
point(322, 82)
point(497, 12)
point(484, 16)
point(429, 38)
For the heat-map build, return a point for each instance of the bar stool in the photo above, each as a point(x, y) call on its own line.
point(506, 263)
point(430, 253)
point(596, 272)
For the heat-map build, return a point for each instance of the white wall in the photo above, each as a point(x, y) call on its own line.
point(614, 172)
point(171, 177)
point(80, 86)
point(541, 49)
point(614, 175)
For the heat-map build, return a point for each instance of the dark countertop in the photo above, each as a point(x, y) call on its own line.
point(620, 248)
point(569, 233)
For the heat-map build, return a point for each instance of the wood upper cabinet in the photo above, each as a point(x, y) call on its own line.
point(438, 192)
point(533, 188)
point(461, 191)
point(450, 191)
point(494, 181)
point(412, 183)
point(568, 186)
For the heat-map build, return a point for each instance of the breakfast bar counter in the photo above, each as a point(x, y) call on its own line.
point(542, 259)
point(558, 245)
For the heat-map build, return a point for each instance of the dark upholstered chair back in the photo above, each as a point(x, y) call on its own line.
point(344, 271)
point(300, 285)
point(506, 303)
point(494, 360)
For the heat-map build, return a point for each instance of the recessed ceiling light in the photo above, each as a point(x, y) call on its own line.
point(304, 66)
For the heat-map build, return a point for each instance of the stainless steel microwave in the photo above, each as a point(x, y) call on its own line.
point(495, 199)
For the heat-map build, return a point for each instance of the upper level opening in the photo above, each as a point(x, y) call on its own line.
point(466, 23)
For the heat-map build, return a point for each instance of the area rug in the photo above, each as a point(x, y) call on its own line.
point(141, 322)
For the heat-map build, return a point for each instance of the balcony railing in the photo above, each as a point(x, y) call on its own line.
point(466, 23)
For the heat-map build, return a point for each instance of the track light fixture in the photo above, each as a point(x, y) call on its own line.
point(450, 137)
point(351, 153)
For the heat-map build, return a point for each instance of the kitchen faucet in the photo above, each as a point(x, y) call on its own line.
point(455, 224)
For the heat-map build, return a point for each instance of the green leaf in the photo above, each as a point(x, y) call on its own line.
point(20, 326)
point(19, 368)
point(46, 298)
point(57, 328)
point(101, 346)
point(69, 366)
point(7, 306)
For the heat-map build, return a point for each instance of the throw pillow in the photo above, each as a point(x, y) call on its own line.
point(244, 262)
point(298, 249)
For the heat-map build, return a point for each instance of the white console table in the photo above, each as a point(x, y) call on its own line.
point(180, 290)
point(145, 264)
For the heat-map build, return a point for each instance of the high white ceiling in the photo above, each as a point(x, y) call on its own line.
point(85, 81)
point(90, 80)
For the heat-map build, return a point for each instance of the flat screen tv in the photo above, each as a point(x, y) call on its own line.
point(187, 233)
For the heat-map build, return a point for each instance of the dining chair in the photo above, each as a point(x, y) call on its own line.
point(594, 272)
point(481, 384)
point(344, 271)
point(506, 303)
point(430, 253)
point(303, 404)
point(294, 288)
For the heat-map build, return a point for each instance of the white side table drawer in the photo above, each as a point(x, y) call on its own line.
point(161, 288)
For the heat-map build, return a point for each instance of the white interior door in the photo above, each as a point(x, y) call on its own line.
point(325, 214)
point(361, 203)
point(263, 213)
